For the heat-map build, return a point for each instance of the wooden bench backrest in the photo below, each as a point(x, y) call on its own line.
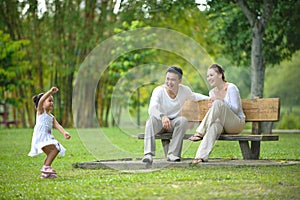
point(256, 110)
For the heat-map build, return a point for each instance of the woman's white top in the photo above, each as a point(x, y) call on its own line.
point(42, 135)
point(232, 99)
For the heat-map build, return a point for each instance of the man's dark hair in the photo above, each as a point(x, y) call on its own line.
point(175, 70)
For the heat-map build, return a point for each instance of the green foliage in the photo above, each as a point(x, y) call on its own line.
point(151, 9)
point(289, 121)
point(282, 34)
point(230, 28)
point(12, 64)
point(120, 68)
point(230, 31)
point(283, 81)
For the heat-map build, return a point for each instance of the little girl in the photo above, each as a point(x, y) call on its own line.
point(42, 139)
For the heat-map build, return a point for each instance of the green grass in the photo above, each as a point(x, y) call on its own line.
point(20, 176)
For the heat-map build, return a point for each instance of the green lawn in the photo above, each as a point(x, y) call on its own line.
point(20, 176)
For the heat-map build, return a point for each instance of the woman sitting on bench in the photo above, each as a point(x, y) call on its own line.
point(225, 113)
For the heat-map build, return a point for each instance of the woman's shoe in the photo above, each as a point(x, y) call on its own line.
point(198, 160)
point(196, 137)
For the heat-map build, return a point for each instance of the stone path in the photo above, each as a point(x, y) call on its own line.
point(136, 165)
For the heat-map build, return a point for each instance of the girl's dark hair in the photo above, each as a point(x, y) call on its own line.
point(37, 98)
point(176, 70)
point(219, 69)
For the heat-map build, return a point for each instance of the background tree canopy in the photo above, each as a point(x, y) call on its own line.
point(45, 47)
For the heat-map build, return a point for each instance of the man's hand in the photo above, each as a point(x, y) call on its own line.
point(166, 122)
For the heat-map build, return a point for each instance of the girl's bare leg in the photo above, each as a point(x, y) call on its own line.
point(51, 151)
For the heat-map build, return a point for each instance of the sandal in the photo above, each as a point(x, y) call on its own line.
point(198, 160)
point(44, 176)
point(196, 137)
point(48, 171)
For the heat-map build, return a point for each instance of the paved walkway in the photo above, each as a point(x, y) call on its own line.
point(136, 165)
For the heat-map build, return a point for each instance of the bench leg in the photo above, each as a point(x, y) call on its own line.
point(7, 125)
point(165, 143)
point(255, 149)
point(250, 153)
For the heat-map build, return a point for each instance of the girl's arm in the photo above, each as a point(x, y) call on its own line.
point(61, 129)
point(43, 98)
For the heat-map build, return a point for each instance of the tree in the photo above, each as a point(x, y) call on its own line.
point(118, 69)
point(12, 64)
point(258, 33)
point(60, 38)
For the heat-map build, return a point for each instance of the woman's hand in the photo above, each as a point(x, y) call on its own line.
point(210, 102)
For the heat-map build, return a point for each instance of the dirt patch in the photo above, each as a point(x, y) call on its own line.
point(131, 164)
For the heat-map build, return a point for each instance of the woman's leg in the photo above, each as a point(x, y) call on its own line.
point(51, 151)
point(219, 117)
point(233, 124)
point(209, 139)
point(216, 112)
point(211, 127)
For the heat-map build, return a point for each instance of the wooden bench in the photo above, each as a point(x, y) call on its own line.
point(256, 111)
point(6, 121)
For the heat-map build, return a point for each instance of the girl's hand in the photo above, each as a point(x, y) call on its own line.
point(67, 135)
point(54, 90)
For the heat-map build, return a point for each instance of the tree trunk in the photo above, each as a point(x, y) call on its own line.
point(258, 23)
point(99, 101)
point(257, 61)
point(106, 123)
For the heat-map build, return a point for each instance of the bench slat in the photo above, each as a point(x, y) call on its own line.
point(192, 110)
point(239, 137)
point(266, 109)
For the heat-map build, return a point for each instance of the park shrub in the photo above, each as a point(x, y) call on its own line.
point(289, 121)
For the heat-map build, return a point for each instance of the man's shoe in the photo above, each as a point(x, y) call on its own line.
point(172, 158)
point(147, 158)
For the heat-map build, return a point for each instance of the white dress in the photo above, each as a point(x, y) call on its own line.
point(42, 135)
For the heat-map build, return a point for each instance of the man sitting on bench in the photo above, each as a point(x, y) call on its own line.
point(164, 110)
